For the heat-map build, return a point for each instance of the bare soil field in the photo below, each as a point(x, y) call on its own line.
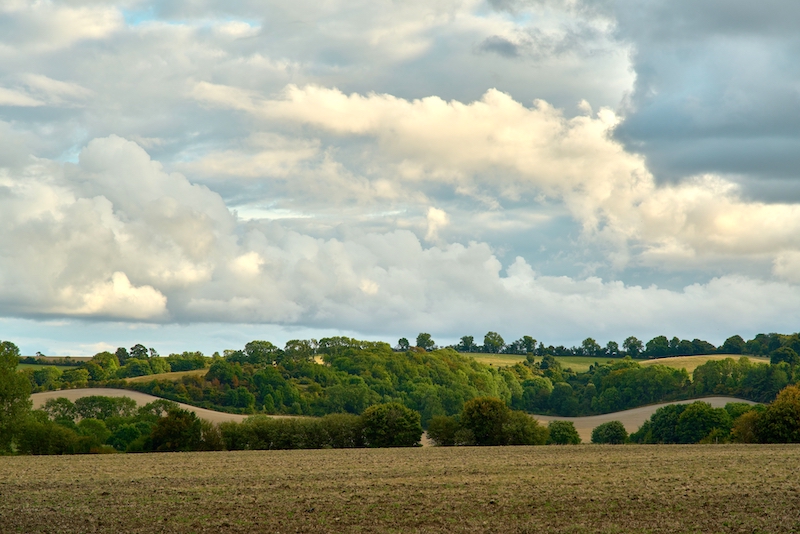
point(632, 419)
point(141, 399)
point(585, 488)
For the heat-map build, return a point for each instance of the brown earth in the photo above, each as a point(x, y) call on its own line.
point(585, 488)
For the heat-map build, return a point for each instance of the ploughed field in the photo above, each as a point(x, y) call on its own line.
point(693, 488)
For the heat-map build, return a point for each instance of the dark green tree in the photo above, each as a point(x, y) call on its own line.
point(784, 354)
point(485, 417)
point(612, 432)
point(591, 347)
point(15, 390)
point(442, 430)
point(180, 430)
point(424, 341)
point(563, 433)
point(633, 347)
point(780, 422)
point(699, 420)
point(733, 345)
point(403, 344)
point(466, 344)
point(493, 342)
point(391, 425)
point(658, 347)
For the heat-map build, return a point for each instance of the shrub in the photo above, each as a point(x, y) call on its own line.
point(522, 429)
point(442, 430)
point(563, 433)
point(780, 422)
point(485, 417)
point(391, 425)
point(612, 432)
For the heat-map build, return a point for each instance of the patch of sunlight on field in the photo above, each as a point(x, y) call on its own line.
point(578, 364)
point(174, 377)
point(690, 363)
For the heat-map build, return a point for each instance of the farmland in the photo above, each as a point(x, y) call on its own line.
point(731, 488)
point(690, 363)
point(580, 364)
point(173, 377)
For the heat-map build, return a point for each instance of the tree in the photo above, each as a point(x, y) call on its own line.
point(122, 355)
point(522, 429)
point(424, 341)
point(403, 344)
point(591, 347)
point(633, 347)
point(391, 425)
point(493, 342)
point(180, 430)
point(780, 422)
point(139, 352)
point(442, 430)
point(612, 349)
point(658, 347)
point(15, 390)
point(699, 420)
point(784, 354)
point(733, 345)
point(485, 417)
point(612, 432)
point(529, 344)
point(467, 344)
point(563, 433)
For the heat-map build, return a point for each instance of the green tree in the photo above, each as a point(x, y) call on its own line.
point(780, 422)
point(522, 429)
point(424, 341)
point(733, 345)
point(699, 420)
point(563, 433)
point(658, 347)
point(784, 354)
point(180, 430)
point(493, 342)
point(139, 352)
point(403, 344)
point(529, 344)
point(15, 390)
point(591, 347)
point(633, 347)
point(612, 432)
point(391, 425)
point(442, 430)
point(467, 344)
point(485, 417)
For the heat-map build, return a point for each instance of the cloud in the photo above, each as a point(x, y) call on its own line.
point(437, 219)
point(716, 90)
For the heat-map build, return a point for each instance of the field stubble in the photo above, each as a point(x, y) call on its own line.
point(513, 489)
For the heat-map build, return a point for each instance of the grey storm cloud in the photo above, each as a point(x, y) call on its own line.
point(716, 89)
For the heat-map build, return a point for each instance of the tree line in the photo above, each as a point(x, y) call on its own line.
point(788, 346)
point(343, 375)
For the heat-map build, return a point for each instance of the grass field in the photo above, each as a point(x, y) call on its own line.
point(621, 489)
point(174, 377)
point(690, 363)
point(582, 363)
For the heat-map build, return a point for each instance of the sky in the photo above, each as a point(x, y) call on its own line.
point(196, 174)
